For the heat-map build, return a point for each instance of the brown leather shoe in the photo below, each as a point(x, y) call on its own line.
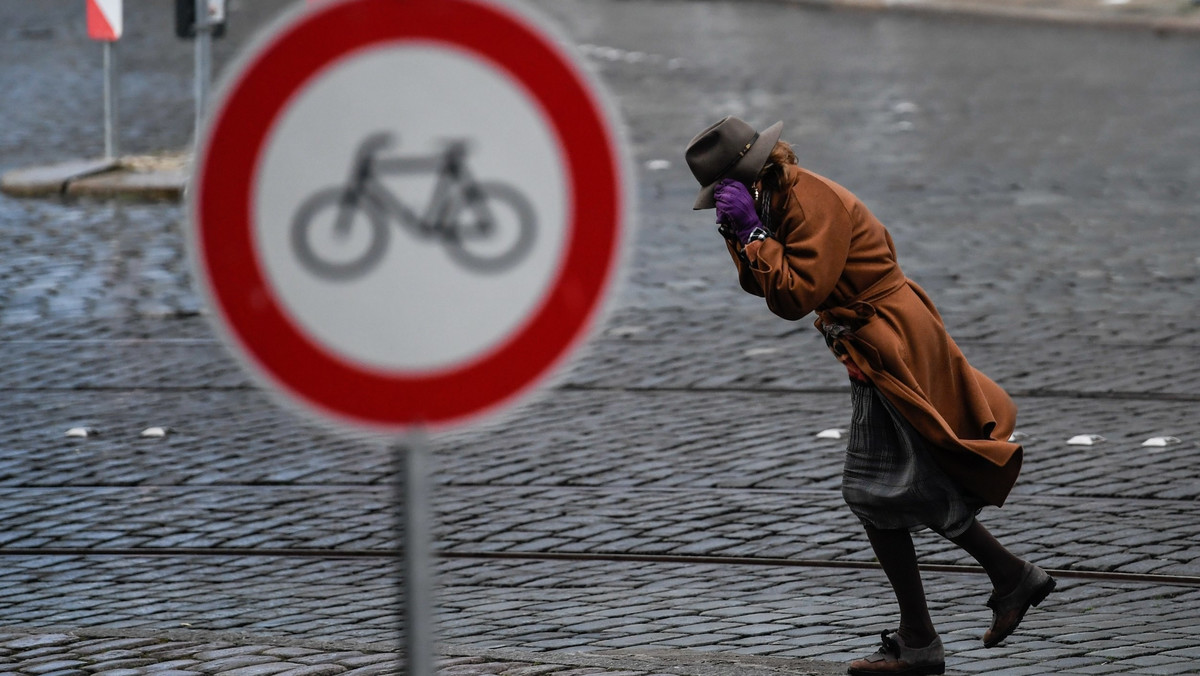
point(893, 657)
point(1010, 609)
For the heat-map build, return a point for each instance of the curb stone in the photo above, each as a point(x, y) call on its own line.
point(53, 179)
point(33, 649)
point(1161, 16)
point(149, 178)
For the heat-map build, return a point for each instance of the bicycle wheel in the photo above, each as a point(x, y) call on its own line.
point(495, 232)
point(338, 241)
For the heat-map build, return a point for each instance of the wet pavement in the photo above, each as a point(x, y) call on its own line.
point(635, 518)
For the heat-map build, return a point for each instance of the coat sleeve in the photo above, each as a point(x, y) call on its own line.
point(798, 271)
point(746, 277)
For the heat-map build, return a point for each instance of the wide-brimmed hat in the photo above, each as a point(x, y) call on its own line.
point(728, 149)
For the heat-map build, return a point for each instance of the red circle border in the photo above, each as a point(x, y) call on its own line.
point(226, 250)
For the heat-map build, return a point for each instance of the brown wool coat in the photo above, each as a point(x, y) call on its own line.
point(832, 256)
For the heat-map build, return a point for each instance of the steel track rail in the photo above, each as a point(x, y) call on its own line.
point(379, 554)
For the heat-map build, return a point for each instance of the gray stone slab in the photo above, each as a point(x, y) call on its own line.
point(39, 181)
point(144, 185)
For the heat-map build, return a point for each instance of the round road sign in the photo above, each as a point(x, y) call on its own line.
point(407, 213)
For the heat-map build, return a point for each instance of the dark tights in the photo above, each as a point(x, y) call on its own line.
point(896, 554)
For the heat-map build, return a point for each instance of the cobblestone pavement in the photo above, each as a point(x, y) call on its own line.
point(648, 514)
point(84, 652)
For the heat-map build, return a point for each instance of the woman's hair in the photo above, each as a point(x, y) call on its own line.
point(771, 175)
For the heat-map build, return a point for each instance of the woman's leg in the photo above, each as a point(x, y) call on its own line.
point(1018, 585)
point(895, 552)
point(1002, 566)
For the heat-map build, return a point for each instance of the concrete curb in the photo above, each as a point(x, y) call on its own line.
point(53, 179)
point(1186, 20)
point(148, 178)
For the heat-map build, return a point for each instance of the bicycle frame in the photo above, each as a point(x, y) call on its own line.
point(365, 205)
point(452, 178)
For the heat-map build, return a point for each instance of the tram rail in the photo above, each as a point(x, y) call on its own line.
point(380, 554)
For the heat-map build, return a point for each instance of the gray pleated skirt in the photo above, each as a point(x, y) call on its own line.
point(890, 480)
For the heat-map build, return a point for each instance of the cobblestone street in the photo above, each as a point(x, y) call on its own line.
point(647, 513)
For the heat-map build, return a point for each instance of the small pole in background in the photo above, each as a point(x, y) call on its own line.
point(203, 63)
point(105, 23)
point(201, 20)
point(111, 104)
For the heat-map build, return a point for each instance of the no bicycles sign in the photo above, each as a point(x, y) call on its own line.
point(407, 212)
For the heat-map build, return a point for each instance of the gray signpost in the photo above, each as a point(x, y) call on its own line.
point(201, 21)
point(203, 71)
point(111, 102)
point(417, 579)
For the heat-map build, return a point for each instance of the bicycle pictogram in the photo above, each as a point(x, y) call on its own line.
point(341, 232)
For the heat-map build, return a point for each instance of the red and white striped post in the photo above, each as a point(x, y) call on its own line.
point(105, 23)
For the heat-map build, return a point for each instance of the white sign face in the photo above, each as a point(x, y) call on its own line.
point(454, 230)
point(216, 11)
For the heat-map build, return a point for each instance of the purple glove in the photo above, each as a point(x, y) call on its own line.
point(735, 209)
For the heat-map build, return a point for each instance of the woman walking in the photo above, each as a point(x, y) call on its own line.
point(929, 435)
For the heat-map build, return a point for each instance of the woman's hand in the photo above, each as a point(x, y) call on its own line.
point(735, 209)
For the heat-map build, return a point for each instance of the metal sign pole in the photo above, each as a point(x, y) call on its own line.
point(111, 148)
point(416, 582)
point(203, 72)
